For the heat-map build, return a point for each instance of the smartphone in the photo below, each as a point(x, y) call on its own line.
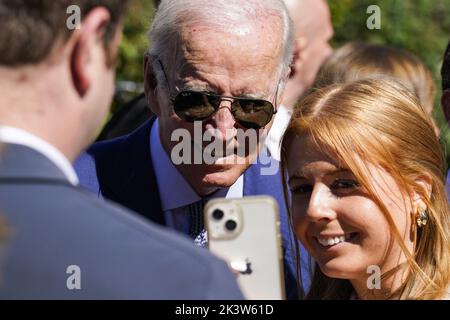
point(246, 233)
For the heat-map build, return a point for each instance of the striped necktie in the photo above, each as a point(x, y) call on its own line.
point(197, 226)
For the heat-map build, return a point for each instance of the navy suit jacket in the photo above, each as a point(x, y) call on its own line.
point(54, 225)
point(121, 170)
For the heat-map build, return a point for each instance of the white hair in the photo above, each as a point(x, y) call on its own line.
point(172, 15)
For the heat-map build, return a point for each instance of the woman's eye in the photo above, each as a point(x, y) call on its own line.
point(302, 189)
point(345, 185)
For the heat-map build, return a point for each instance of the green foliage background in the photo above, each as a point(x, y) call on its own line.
point(420, 26)
point(135, 42)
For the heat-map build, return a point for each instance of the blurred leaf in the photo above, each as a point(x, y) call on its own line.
point(134, 41)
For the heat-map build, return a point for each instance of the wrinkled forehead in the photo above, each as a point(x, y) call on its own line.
point(244, 52)
point(246, 44)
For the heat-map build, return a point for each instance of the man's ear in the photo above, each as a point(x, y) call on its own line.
point(150, 85)
point(300, 45)
point(445, 100)
point(86, 40)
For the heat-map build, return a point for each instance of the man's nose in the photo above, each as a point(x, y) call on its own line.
point(320, 207)
point(223, 120)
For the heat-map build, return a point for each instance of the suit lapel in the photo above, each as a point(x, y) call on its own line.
point(257, 183)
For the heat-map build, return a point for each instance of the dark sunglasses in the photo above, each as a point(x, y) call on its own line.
point(197, 106)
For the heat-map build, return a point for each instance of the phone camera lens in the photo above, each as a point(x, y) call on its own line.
point(217, 214)
point(230, 225)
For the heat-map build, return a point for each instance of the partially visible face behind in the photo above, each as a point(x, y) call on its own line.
point(329, 206)
point(241, 62)
point(318, 31)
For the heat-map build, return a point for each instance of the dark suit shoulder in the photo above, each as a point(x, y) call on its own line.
point(119, 254)
point(107, 163)
point(121, 170)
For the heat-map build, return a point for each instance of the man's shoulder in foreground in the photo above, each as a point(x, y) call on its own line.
point(65, 244)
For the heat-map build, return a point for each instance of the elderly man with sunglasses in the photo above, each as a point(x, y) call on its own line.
point(215, 65)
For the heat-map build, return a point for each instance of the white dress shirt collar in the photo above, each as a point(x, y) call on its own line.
point(174, 190)
point(21, 137)
point(279, 126)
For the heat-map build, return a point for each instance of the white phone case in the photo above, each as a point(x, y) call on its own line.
point(253, 246)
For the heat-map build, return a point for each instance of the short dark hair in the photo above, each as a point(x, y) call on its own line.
point(445, 71)
point(30, 28)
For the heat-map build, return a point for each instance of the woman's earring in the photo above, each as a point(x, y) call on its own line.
point(422, 218)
